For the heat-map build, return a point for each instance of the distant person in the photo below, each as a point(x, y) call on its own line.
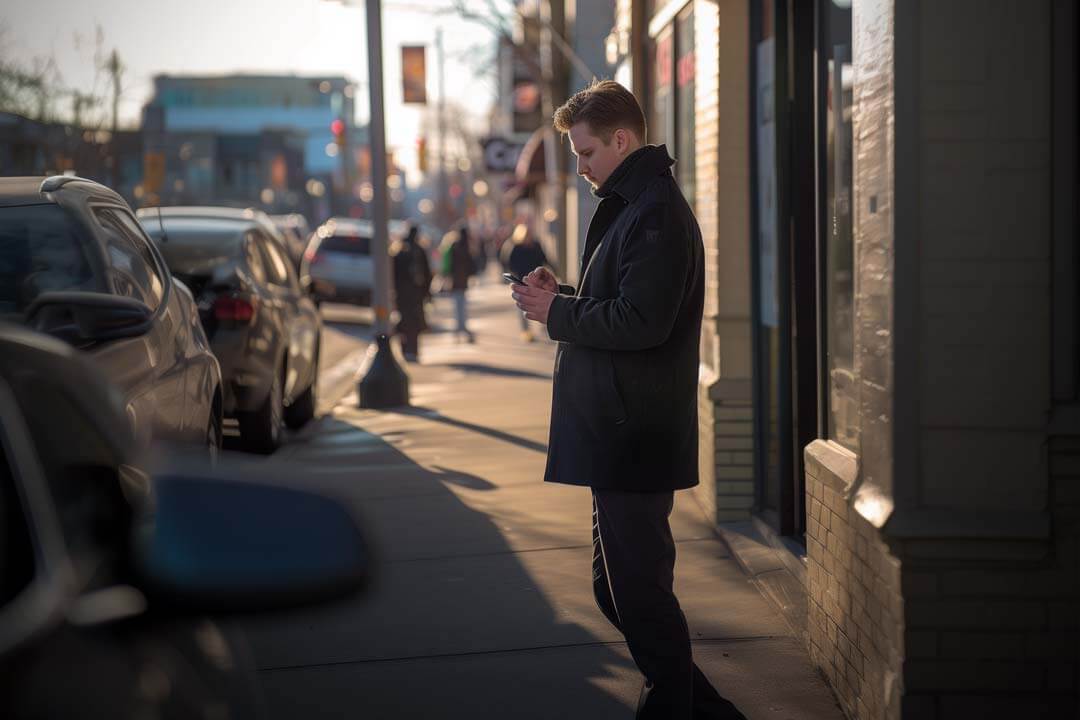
point(521, 255)
point(412, 288)
point(624, 406)
point(457, 266)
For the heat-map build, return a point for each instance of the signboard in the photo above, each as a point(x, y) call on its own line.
point(153, 171)
point(501, 155)
point(414, 74)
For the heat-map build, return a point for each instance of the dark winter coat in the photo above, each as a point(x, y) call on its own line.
point(526, 257)
point(462, 265)
point(624, 401)
point(412, 284)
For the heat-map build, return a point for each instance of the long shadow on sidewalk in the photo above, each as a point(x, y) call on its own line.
point(469, 634)
point(436, 416)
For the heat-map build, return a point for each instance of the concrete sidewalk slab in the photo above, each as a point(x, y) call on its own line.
point(483, 604)
point(492, 602)
point(596, 681)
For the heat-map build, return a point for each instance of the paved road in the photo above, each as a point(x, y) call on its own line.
point(482, 607)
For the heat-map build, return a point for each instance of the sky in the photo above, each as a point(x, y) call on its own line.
point(303, 37)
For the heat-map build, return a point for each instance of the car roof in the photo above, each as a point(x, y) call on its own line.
point(197, 224)
point(21, 191)
point(346, 226)
point(203, 211)
point(35, 190)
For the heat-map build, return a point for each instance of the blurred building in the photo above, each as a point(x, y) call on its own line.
point(285, 143)
point(29, 147)
point(890, 386)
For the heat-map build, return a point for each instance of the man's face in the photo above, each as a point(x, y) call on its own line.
point(596, 160)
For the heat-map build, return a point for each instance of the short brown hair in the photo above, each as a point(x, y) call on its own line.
point(606, 106)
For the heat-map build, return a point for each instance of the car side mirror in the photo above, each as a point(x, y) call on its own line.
point(213, 545)
point(82, 317)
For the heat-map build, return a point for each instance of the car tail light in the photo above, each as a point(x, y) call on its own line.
point(231, 308)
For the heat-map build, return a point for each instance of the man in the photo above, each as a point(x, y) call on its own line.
point(624, 399)
point(458, 266)
point(412, 287)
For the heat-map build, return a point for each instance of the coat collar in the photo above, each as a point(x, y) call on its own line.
point(635, 172)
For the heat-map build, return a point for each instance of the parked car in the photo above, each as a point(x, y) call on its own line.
point(150, 216)
point(110, 570)
point(296, 231)
point(76, 264)
point(337, 264)
point(262, 326)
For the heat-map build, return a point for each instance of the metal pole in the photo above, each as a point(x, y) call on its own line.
point(384, 382)
point(379, 204)
point(441, 206)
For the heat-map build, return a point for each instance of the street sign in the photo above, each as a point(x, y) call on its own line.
point(500, 154)
point(413, 74)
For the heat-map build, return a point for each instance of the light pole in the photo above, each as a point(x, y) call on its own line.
point(384, 382)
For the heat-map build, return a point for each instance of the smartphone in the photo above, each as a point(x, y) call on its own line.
point(511, 277)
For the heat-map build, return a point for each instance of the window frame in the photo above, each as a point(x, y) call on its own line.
point(139, 242)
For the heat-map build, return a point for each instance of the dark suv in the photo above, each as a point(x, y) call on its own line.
point(76, 264)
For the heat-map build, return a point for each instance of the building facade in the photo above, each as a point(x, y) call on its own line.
point(286, 143)
point(889, 408)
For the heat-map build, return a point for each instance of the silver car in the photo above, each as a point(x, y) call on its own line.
point(337, 264)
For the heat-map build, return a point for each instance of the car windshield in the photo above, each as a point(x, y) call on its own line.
point(196, 246)
point(41, 250)
point(352, 244)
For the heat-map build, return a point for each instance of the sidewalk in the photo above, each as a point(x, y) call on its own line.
point(483, 605)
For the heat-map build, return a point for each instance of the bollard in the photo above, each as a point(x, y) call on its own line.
point(383, 384)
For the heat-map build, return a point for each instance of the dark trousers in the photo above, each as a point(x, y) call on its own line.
point(633, 578)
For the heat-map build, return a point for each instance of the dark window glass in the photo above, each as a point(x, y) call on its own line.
point(41, 250)
point(685, 70)
point(132, 268)
point(661, 70)
point(769, 289)
point(197, 247)
point(839, 261)
point(352, 244)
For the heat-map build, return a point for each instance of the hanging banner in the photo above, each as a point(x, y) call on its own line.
point(414, 74)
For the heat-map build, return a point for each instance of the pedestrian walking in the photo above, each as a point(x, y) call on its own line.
point(624, 400)
point(521, 255)
point(412, 288)
point(457, 267)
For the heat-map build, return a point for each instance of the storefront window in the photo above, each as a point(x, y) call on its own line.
point(660, 95)
point(685, 68)
point(670, 107)
point(770, 291)
point(843, 415)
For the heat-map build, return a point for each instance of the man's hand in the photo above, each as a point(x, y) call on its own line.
point(542, 278)
point(535, 302)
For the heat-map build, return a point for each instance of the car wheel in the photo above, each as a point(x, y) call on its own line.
point(302, 409)
point(260, 431)
point(213, 436)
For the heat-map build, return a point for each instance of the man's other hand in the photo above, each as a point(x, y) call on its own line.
point(533, 301)
point(542, 278)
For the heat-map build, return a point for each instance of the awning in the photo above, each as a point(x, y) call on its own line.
point(531, 169)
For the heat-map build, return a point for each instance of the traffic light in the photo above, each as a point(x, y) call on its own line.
point(421, 154)
point(337, 127)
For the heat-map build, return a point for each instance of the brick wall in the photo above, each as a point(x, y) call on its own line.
point(855, 605)
point(993, 626)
